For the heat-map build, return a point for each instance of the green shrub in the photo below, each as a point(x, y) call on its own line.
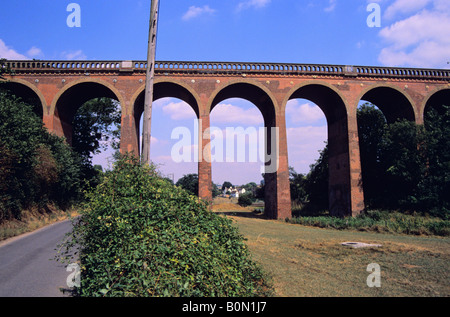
point(381, 221)
point(139, 235)
point(245, 200)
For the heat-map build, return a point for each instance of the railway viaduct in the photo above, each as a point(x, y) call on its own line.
point(59, 88)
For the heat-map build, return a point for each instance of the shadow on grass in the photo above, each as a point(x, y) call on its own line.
point(243, 214)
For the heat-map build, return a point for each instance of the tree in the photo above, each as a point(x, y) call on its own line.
point(226, 184)
point(435, 186)
point(215, 190)
point(297, 186)
point(371, 130)
point(245, 200)
point(95, 125)
point(316, 183)
point(250, 187)
point(36, 167)
point(403, 165)
point(189, 183)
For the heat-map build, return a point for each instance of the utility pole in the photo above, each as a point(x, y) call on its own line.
point(146, 137)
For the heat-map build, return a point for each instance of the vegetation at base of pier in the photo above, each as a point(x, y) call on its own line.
point(381, 221)
point(139, 235)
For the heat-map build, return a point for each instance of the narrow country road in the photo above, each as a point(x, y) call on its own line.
point(27, 268)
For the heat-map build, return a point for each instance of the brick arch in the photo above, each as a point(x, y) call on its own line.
point(115, 93)
point(276, 183)
point(394, 103)
point(250, 90)
point(27, 91)
point(162, 89)
point(435, 98)
point(166, 89)
point(323, 94)
point(67, 101)
point(344, 191)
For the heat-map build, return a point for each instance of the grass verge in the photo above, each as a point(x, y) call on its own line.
point(33, 219)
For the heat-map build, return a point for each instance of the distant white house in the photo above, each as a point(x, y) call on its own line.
point(233, 192)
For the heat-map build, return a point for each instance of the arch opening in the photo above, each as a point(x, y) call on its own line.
point(166, 91)
point(237, 151)
point(394, 104)
point(174, 146)
point(337, 154)
point(307, 135)
point(252, 95)
point(72, 99)
point(26, 94)
point(437, 101)
point(378, 109)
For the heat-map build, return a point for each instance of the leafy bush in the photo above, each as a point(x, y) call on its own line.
point(139, 235)
point(245, 200)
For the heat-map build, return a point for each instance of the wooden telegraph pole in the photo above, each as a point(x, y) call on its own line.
point(146, 137)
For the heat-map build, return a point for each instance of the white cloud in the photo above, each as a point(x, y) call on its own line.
point(331, 6)
point(9, 53)
point(194, 12)
point(426, 54)
point(35, 52)
point(179, 111)
point(405, 7)
point(303, 113)
point(227, 113)
point(253, 4)
point(424, 26)
point(419, 40)
point(73, 55)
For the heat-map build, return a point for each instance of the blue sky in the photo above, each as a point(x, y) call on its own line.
point(413, 33)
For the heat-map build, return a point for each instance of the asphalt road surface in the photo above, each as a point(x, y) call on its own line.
point(27, 265)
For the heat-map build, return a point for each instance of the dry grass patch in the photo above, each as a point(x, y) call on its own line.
point(311, 262)
point(33, 219)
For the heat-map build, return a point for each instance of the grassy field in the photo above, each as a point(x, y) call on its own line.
point(311, 262)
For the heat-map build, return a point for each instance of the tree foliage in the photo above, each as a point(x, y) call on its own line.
point(245, 199)
point(189, 183)
point(36, 167)
point(96, 125)
point(226, 184)
point(311, 191)
point(405, 166)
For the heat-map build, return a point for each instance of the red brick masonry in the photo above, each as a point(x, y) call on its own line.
point(62, 86)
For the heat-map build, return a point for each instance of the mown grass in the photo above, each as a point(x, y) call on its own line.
point(311, 262)
point(305, 256)
point(381, 221)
